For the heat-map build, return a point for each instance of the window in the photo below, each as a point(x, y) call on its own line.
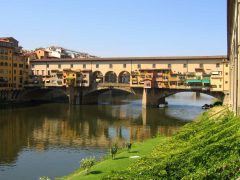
point(226, 82)
point(20, 72)
point(139, 66)
point(48, 72)
point(153, 65)
point(15, 65)
point(226, 73)
point(21, 65)
point(184, 65)
point(226, 65)
point(124, 65)
point(71, 66)
point(217, 65)
point(97, 65)
point(200, 65)
point(84, 66)
point(43, 72)
point(32, 65)
point(37, 72)
point(59, 66)
point(14, 71)
point(169, 65)
point(220, 86)
point(47, 65)
point(110, 66)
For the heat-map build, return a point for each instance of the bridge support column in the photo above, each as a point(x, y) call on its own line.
point(75, 95)
point(149, 99)
point(197, 95)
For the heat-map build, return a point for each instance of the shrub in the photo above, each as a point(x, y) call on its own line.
point(87, 163)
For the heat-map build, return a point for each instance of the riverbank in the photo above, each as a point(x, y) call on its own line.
point(208, 147)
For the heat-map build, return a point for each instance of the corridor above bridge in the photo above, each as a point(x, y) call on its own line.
point(209, 72)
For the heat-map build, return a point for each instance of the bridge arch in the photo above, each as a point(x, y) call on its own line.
point(218, 95)
point(111, 77)
point(124, 77)
point(97, 76)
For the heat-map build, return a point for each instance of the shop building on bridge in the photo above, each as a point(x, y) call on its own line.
point(202, 72)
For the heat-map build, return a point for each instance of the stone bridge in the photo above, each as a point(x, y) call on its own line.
point(151, 97)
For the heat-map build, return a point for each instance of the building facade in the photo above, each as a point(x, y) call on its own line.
point(233, 53)
point(6, 56)
point(14, 67)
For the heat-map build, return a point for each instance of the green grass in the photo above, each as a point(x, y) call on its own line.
point(121, 161)
point(208, 148)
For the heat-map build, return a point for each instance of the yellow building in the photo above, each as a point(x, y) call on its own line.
point(14, 67)
point(6, 56)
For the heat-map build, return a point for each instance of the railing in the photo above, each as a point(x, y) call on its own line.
point(121, 85)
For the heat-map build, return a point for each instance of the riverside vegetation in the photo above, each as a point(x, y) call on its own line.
point(208, 148)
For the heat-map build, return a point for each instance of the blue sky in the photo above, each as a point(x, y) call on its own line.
point(119, 27)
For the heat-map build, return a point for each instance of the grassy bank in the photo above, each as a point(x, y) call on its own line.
point(208, 148)
point(121, 161)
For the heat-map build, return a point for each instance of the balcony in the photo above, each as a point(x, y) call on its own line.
point(159, 79)
point(216, 77)
point(173, 79)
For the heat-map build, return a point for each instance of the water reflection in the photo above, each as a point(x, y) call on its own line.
point(81, 130)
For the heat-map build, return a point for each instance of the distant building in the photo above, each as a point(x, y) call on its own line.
point(41, 53)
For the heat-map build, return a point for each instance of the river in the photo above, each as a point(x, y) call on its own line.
point(50, 139)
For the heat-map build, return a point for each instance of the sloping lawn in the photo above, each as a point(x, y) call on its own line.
point(121, 161)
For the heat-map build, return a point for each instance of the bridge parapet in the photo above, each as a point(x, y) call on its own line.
point(117, 85)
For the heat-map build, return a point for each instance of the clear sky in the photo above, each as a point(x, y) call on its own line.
point(119, 27)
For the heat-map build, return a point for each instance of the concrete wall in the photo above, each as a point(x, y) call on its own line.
point(233, 54)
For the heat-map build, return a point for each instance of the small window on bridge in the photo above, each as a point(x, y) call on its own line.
point(200, 65)
point(139, 66)
point(153, 65)
point(71, 66)
point(97, 65)
point(184, 65)
point(84, 66)
point(47, 65)
point(169, 65)
point(124, 65)
point(59, 66)
point(217, 65)
point(110, 66)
